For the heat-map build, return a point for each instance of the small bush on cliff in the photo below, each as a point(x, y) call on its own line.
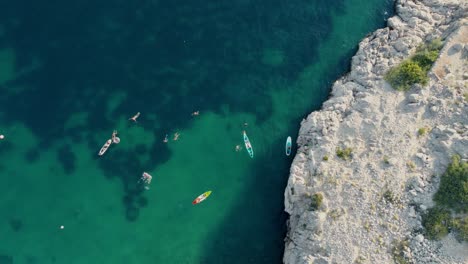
point(405, 75)
point(435, 44)
point(460, 225)
point(425, 59)
point(386, 160)
point(389, 196)
point(453, 189)
point(398, 251)
point(427, 54)
point(414, 70)
point(316, 201)
point(452, 194)
point(422, 131)
point(436, 222)
point(344, 153)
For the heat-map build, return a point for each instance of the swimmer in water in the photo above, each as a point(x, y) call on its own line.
point(2, 136)
point(165, 139)
point(146, 179)
point(238, 148)
point(176, 136)
point(134, 118)
point(196, 113)
point(115, 138)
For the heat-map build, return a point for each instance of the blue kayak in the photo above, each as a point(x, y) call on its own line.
point(248, 146)
point(288, 146)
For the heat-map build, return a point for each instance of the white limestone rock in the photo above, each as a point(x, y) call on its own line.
point(377, 196)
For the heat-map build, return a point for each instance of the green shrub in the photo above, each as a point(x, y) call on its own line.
point(316, 201)
point(344, 153)
point(405, 75)
point(414, 70)
point(452, 194)
point(436, 222)
point(427, 54)
point(435, 44)
point(398, 251)
point(360, 260)
point(325, 158)
point(425, 59)
point(389, 196)
point(386, 160)
point(460, 225)
point(422, 131)
point(411, 165)
point(335, 213)
point(453, 189)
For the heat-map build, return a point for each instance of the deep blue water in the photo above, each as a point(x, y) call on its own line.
point(268, 62)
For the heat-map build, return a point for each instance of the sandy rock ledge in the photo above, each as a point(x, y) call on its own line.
point(390, 161)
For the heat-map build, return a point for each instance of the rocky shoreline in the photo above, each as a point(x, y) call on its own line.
point(373, 201)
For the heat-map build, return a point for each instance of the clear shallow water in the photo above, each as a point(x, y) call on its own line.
point(71, 73)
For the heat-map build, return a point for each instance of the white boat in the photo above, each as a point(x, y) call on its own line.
point(105, 147)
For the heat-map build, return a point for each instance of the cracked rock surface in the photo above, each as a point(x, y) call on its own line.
point(373, 199)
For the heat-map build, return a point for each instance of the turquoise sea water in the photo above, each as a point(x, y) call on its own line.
point(71, 73)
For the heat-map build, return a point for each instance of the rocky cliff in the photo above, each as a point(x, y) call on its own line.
point(373, 200)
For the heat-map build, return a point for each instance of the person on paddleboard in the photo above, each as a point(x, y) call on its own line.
point(146, 179)
point(134, 118)
point(176, 136)
point(247, 145)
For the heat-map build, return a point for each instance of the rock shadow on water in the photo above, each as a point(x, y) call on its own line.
point(67, 158)
point(122, 164)
point(257, 238)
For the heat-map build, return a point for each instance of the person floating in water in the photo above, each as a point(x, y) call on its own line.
point(115, 138)
point(145, 179)
point(176, 136)
point(2, 137)
point(165, 139)
point(134, 118)
point(238, 148)
point(196, 113)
